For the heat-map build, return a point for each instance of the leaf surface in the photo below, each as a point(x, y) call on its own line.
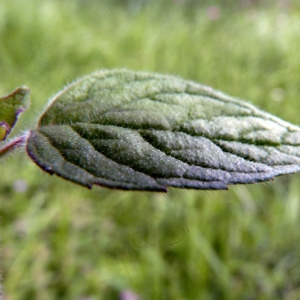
point(144, 131)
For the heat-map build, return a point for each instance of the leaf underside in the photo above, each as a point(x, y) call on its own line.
point(11, 106)
point(143, 131)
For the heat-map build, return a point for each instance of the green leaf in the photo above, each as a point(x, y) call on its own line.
point(11, 106)
point(143, 131)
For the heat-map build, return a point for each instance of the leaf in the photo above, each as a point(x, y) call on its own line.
point(11, 106)
point(143, 131)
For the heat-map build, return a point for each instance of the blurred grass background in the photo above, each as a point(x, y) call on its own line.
point(61, 241)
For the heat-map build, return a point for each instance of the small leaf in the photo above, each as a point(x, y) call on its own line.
point(11, 106)
point(143, 131)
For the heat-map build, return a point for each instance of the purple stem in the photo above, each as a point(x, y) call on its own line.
point(13, 144)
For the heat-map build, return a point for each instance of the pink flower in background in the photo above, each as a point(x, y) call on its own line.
point(129, 295)
point(20, 186)
point(213, 13)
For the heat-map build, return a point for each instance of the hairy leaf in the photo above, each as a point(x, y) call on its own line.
point(11, 106)
point(143, 131)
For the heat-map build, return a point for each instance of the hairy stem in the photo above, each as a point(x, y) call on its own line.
point(13, 145)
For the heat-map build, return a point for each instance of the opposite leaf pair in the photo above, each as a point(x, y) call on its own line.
point(142, 131)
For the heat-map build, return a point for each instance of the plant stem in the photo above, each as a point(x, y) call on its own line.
point(13, 144)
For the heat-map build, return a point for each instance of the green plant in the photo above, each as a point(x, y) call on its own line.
point(62, 241)
point(142, 131)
